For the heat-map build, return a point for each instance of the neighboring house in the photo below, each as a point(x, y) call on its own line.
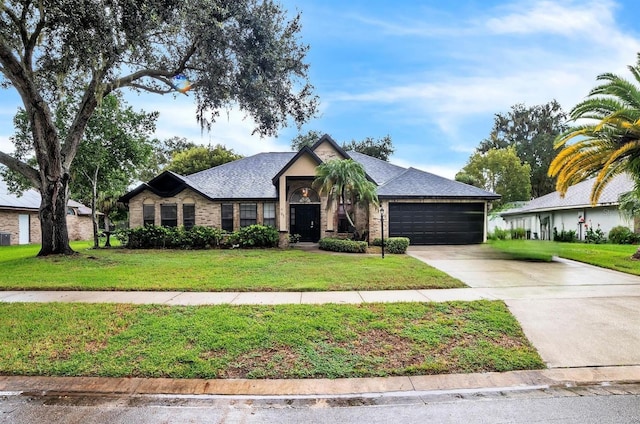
point(573, 211)
point(19, 222)
point(276, 189)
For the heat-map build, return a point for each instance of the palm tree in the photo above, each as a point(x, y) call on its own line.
point(608, 142)
point(345, 181)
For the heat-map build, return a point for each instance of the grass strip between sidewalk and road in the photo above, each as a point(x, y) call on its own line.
point(611, 256)
point(214, 270)
point(284, 341)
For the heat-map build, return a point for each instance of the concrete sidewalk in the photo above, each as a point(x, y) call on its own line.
point(245, 298)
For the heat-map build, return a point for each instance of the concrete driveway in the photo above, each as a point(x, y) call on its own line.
point(576, 315)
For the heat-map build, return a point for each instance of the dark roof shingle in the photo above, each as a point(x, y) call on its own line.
point(416, 183)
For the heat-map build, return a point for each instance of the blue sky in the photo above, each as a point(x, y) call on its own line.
point(431, 74)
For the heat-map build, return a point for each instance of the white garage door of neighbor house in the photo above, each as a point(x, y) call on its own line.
point(23, 229)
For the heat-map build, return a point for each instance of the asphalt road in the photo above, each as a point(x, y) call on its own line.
point(596, 404)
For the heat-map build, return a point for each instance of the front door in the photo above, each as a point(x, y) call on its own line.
point(305, 220)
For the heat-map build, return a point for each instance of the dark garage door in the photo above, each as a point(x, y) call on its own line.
point(437, 223)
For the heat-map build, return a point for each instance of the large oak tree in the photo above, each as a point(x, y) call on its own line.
point(243, 53)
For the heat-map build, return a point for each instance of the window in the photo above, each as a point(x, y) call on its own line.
point(188, 216)
point(148, 214)
point(70, 211)
point(248, 214)
point(227, 217)
point(269, 214)
point(169, 215)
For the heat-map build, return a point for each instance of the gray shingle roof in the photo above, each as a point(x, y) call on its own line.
point(381, 171)
point(415, 183)
point(251, 178)
point(247, 178)
point(577, 196)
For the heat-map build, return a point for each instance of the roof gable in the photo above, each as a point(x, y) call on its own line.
point(327, 149)
point(305, 151)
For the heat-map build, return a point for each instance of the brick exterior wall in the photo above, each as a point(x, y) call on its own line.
point(79, 227)
point(208, 213)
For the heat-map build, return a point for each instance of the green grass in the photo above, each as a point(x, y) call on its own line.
point(213, 270)
point(284, 341)
point(611, 256)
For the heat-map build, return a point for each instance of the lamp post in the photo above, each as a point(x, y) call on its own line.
point(382, 228)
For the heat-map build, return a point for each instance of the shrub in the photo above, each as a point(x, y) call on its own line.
point(594, 236)
point(294, 238)
point(568, 236)
point(157, 237)
point(622, 235)
point(393, 244)
point(200, 237)
point(346, 246)
point(397, 245)
point(255, 236)
point(518, 233)
point(498, 234)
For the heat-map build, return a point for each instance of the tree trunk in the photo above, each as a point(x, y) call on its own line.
point(53, 219)
point(107, 226)
point(94, 215)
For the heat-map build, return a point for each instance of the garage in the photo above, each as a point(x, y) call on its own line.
point(437, 223)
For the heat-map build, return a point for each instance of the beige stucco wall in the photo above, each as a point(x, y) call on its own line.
point(78, 227)
point(326, 152)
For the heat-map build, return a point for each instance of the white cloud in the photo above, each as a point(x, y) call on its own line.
point(553, 17)
point(567, 45)
point(178, 118)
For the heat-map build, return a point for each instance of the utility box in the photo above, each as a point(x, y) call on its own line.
point(5, 239)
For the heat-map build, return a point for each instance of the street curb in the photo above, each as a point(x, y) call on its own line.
point(404, 386)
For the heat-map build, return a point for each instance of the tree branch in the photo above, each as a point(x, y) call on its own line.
point(22, 168)
point(33, 40)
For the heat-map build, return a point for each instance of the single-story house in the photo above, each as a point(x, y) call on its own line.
point(276, 189)
point(573, 211)
point(19, 222)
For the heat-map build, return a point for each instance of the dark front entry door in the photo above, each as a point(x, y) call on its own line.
point(305, 220)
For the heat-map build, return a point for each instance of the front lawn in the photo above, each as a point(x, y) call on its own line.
point(214, 270)
point(284, 341)
point(611, 256)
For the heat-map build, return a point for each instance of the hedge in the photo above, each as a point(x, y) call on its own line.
point(393, 244)
point(345, 246)
point(197, 237)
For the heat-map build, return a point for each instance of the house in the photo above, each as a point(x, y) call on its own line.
point(19, 222)
point(276, 189)
point(573, 211)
